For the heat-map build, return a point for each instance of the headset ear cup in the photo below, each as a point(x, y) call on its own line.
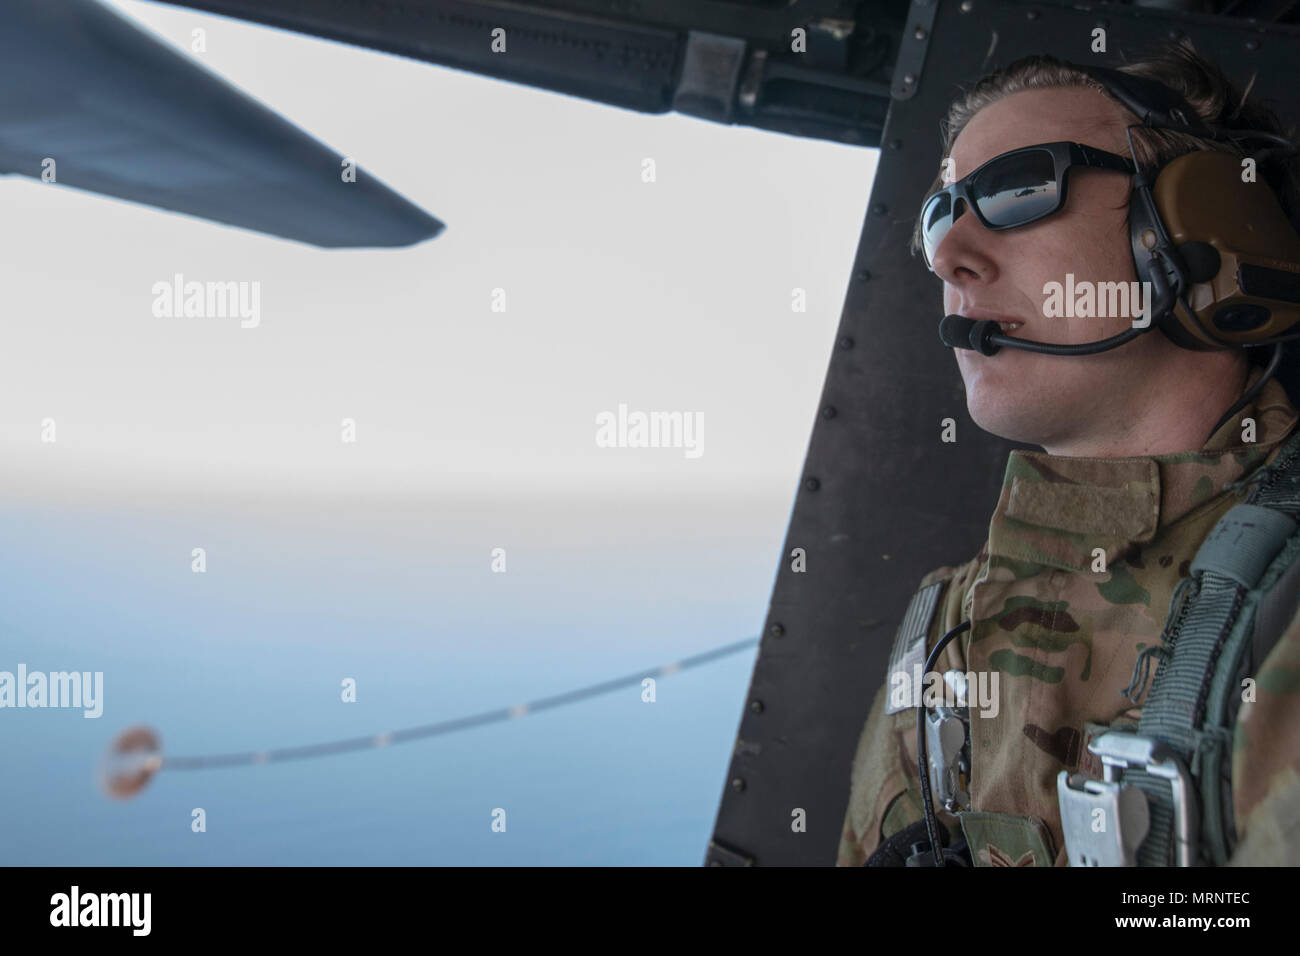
point(1238, 251)
point(1202, 260)
point(1238, 283)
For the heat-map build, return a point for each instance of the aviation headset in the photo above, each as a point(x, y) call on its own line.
point(1222, 258)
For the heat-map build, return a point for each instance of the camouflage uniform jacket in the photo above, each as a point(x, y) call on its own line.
point(1063, 639)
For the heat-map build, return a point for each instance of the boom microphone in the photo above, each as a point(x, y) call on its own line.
point(959, 332)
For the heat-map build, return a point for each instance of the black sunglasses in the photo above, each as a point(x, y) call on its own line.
point(1013, 189)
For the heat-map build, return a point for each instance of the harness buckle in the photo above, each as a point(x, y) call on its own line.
point(1112, 837)
point(1104, 821)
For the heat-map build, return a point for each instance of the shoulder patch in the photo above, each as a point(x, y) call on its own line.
point(908, 654)
point(999, 839)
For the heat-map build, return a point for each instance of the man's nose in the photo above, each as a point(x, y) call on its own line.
point(947, 255)
point(958, 207)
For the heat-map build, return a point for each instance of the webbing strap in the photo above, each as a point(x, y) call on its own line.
point(1206, 634)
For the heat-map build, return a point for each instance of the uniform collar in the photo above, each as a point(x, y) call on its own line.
point(1056, 510)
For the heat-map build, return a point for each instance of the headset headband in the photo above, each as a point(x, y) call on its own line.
point(1151, 101)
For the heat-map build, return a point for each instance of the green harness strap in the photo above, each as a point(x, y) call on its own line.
point(1224, 619)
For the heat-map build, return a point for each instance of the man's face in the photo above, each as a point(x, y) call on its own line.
point(1046, 399)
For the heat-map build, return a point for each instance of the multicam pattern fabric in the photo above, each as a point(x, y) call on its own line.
point(1065, 636)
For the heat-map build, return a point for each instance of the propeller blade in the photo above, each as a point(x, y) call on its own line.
point(123, 114)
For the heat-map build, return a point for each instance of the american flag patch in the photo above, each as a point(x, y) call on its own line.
point(908, 655)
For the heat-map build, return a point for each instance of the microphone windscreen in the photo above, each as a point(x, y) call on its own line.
point(955, 330)
point(979, 332)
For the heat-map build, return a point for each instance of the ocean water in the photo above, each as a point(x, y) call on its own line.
point(399, 597)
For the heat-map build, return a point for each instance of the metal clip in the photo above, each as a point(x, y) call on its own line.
point(947, 739)
point(1080, 797)
point(1104, 822)
point(1119, 751)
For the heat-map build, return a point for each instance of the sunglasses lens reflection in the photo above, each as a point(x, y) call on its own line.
point(1016, 189)
point(1010, 191)
point(936, 220)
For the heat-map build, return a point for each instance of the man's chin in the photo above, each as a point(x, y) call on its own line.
point(1014, 422)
